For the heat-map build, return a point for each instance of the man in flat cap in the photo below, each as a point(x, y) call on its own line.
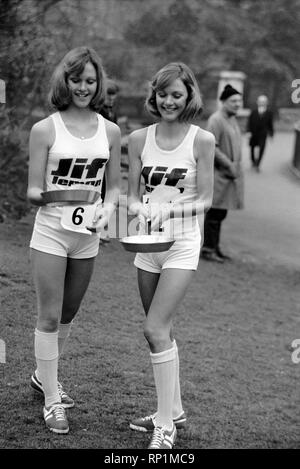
point(228, 176)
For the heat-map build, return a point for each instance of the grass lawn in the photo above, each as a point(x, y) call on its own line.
point(234, 332)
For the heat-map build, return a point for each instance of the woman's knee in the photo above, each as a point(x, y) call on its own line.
point(156, 336)
point(49, 324)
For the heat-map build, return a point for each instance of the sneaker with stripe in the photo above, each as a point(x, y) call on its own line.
point(66, 401)
point(56, 419)
point(147, 424)
point(163, 438)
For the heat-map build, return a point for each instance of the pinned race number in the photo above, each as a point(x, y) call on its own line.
point(77, 218)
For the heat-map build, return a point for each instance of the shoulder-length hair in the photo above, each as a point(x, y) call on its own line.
point(73, 63)
point(164, 77)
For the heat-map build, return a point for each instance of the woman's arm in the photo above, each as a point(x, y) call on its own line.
point(135, 147)
point(205, 153)
point(113, 179)
point(113, 168)
point(41, 139)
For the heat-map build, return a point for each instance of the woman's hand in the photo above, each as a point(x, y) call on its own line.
point(139, 209)
point(158, 214)
point(34, 195)
point(101, 219)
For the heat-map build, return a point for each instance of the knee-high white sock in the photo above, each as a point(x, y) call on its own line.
point(177, 404)
point(63, 334)
point(164, 376)
point(46, 353)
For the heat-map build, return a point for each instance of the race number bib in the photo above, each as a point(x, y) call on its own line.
point(77, 218)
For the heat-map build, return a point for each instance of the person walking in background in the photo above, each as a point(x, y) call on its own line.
point(175, 153)
point(109, 112)
point(68, 150)
point(109, 107)
point(228, 175)
point(259, 125)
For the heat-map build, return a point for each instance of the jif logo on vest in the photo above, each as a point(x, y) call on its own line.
point(77, 170)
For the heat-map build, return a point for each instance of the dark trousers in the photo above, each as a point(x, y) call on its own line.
point(103, 188)
point(261, 144)
point(212, 227)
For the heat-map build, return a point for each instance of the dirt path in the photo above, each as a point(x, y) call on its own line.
point(269, 227)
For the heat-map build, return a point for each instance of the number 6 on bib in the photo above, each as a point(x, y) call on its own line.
point(77, 218)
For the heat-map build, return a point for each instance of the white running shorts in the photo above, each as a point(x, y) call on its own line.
point(184, 254)
point(49, 236)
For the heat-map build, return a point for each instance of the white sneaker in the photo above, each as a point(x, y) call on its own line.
point(56, 419)
point(163, 438)
point(147, 424)
point(66, 401)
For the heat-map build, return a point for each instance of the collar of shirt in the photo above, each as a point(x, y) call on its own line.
point(261, 109)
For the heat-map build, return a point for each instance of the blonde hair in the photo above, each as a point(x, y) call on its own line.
point(164, 77)
point(73, 63)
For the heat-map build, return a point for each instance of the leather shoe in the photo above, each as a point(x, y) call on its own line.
point(211, 256)
point(223, 256)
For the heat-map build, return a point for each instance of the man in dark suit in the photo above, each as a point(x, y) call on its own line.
point(109, 112)
point(260, 125)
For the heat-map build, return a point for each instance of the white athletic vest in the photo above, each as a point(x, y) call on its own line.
point(75, 163)
point(177, 168)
